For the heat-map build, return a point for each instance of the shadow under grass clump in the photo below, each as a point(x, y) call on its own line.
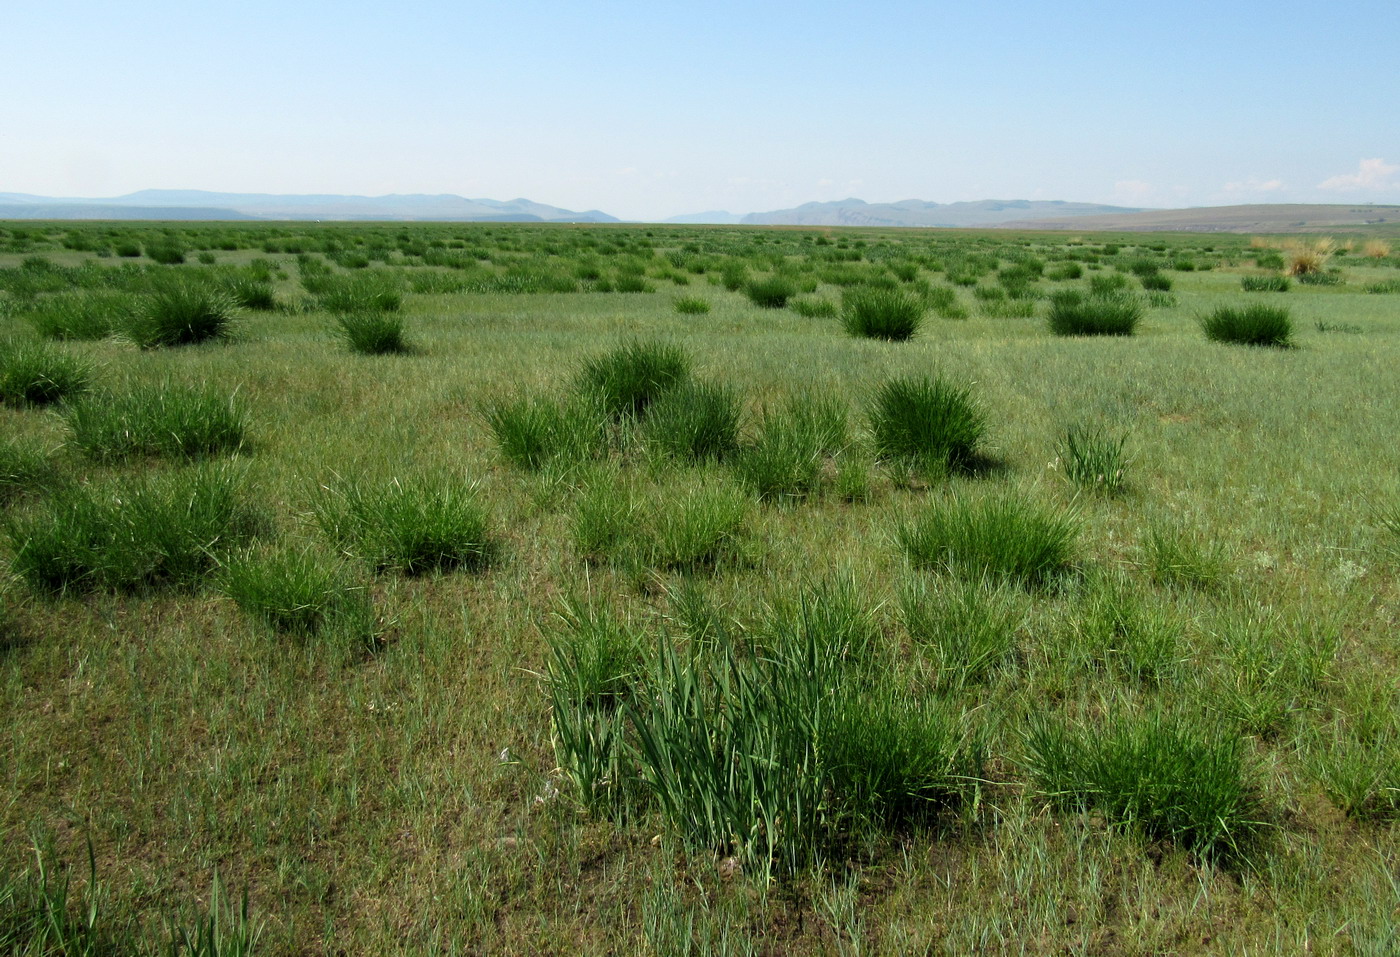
point(35, 373)
point(414, 527)
point(1168, 779)
point(143, 534)
point(302, 595)
point(1255, 325)
point(1002, 537)
point(163, 420)
point(628, 379)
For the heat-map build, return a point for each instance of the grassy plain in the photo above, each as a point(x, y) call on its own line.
point(1180, 735)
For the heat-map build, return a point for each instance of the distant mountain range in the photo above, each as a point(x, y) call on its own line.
point(195, 204)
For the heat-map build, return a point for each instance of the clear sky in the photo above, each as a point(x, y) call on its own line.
point(649, 109)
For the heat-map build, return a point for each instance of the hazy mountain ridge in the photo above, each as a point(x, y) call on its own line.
point(202, 204)
point(918, 212)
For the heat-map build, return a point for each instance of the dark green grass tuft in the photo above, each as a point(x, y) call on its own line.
point(372, 333)
point(691, 306)
point(927, 421)
point(180, 314)
point(1249, 325)
point(24, 467)
point(873, 312)
point(771, 293)
point(35, 373)
point(81, 316)
point(167, 530)
point(534, 432)
point(359, 293)
point(301, 594)
point(697, 421)
point(628, 379)
point(1265, 283)
point(1093, 459)
point(1107, 314)
point(414, 527)
point(1003, 537)
point(968, 628)
point(1170, 780)
point(162, 420)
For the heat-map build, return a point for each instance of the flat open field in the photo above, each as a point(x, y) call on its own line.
point(479, 588)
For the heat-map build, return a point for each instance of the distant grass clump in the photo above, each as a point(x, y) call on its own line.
point(874, 312)
point(414, 527)
point(360, 293)
point(167, 530)
point(815, 308)
point(301, 594)
point(771, 293)
point(180, 314)
point(628, 379)
point(34, 373)
point(1001, 537)
point(927, 421)
point(161, 420)
point(691, 306)
point(534, 433)
point(1308, 257)
point(1099, 314)
point(696, 421)
point(1250, 325)
point(372, 333)
point(1170, 780)
point(1384, 287)
point(1093, 459)
point(1265, 283)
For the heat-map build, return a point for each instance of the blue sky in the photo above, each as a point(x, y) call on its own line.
point(646, 110)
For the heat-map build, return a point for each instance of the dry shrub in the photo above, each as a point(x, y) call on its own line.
point(1308, 257)
point(1376, 249)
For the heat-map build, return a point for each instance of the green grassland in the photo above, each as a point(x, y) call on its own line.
point(480, 588)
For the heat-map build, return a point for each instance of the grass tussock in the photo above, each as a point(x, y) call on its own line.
point(180, 314)
point(372, 333)
point(1254, 325)
point(1003, 537)
point(167, 420)
point(1305, 257)
point(628, 379)
point(534, 433)
point(927, 421)
point(414, 527)
point(695, 422)
point(875, 312)
point(301, 594)
point(1093, 459)
point(1265, 283)
point(1098, 314)
point(36, 373)
point(771, 293)
point(24, 467)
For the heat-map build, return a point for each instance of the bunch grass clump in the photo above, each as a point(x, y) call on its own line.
point(967, 627)
point(1092, 458)
point(36, 373)
point(628, 379)
point(164, 530)
point(1099, 314)
point(1171, 780)
point(161, 420)
point(180, 314)
point(1003, 537)
point(875, 312)
point(696, 422)
point(414, 527)
point(927, 421)
point(771, 293)
point(378, 291)
point(83, 316)
point(1307, 257)
point(533, 432)
point(301, 594)
point(24, 466)
point(691, 306)
point(1253, 325)
point(697, 523)
point(814, 308)
point(373, 333)
point(1265, 283)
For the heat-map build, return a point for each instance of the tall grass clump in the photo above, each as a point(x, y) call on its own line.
point(785, 461)
point(1099, 314)
point(1375, 249)
point(968, 628)
point(1169, 779)
point(771, 293)
point(1306, 257)
point(696, 527)
point(414, 527)
point(1254, 325)
point(629, 378)
point(360, 293)
point(696, 421)
point(23, 467)
point(180, 314)
point(302, 595)
point(534, 432)
point(35, 373)
point(1265, 283)
point(691, 306)
point(874, 312)
point(161, 420)
point(815, 308)
point(595, 663)
point(372, 333)
point(1092, 458)
point(167, 530)
point(84, 316)
point(926, 421)
point(1004, 537)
